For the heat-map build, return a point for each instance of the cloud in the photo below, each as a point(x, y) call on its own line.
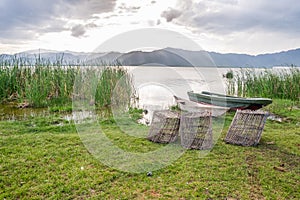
point(153, 22)
point(230, 16)
point(171, 14)
point(83, 9)
point(20, 17)
point(129, 9)
point(158, 22)
point(79, 30)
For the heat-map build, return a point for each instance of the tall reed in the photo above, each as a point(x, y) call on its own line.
point(282, 83)
point(104, 86)
point(45, 84)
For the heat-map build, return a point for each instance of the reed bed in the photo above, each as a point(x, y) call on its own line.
point(270, 83)
point(44, 84)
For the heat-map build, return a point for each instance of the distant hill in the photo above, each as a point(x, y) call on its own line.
point(157, 57)
point(203, 58)
point(285, 58)
point(165, 57)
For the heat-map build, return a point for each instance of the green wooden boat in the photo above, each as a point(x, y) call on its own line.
point(233, 102)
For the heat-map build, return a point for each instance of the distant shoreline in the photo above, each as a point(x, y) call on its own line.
point(170, 57)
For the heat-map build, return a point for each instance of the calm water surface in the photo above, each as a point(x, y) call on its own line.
point(157, 85)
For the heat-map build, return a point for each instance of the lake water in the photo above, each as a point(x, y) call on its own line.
point(156, 86)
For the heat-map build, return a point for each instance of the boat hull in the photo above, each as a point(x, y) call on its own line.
point(191, 106)
point(232, 102)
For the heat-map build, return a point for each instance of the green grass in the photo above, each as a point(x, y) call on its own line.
point(44, 158)
point(283, 84)
point(46, 84)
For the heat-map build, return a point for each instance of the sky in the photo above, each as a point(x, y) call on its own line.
point(225, 26)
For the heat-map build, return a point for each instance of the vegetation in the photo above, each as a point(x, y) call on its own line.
point(283, 84)
point(51, 84)
point(44, 157)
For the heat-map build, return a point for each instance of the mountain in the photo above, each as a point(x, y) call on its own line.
point(106, 58)
point(285, 58)
point(204, 58)
point(161, 57)
point(157, 57)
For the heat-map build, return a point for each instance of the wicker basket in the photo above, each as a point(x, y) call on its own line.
point(164, 127)
point(246, 128)
point(196, 130)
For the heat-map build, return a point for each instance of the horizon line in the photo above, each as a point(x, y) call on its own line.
point(142, 50)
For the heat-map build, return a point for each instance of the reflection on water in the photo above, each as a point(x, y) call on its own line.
point(11, 112)
point(156, 86)
point(176, 81)
point(155, 95)
point(86, 116)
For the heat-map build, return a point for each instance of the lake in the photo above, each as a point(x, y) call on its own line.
point(157, 85)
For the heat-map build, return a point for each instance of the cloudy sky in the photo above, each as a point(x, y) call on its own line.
point(237, 26)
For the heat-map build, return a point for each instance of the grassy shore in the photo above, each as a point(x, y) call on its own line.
point(281, 84)
point(44, 158)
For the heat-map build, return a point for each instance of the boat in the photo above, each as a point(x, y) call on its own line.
point(233, 102)
point(190, 106)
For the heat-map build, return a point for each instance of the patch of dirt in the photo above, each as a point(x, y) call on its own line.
point(153, 193)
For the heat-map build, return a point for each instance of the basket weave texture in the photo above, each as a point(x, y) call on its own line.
point(164, 127)
point(196, 130)
point(246, 128)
